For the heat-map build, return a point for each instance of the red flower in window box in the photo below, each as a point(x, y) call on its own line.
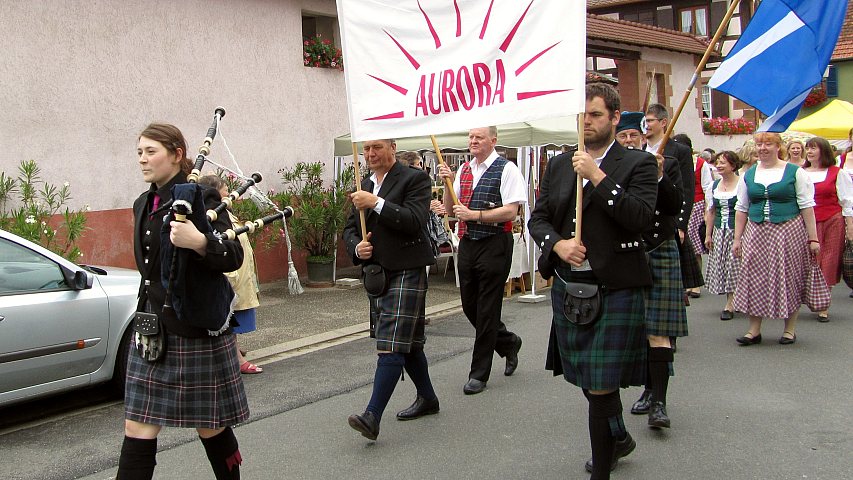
point(816, 96)
point(320, 52)
point(727, 126)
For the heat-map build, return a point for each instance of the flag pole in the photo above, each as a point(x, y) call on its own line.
point(447, 183)
point(579, 185)
point(358, 188)
point(723, 26)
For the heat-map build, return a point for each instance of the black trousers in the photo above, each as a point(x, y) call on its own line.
point(483, 268)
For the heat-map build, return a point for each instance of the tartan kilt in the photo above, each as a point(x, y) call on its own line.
point(666, 314)
point(697, 218)
point(774, 267)
point(609, 354)
point(722, 266)
point(830, 234)
point(691, 272)
point(398, 316)
point(196, 384)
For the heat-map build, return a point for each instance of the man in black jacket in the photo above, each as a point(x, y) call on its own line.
point(619, 194)
point(665, 313)
point(395, 199)
point(657, 119)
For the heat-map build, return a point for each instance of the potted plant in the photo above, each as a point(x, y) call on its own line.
point(320, 212)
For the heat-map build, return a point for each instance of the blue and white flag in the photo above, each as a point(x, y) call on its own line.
point(781, 55)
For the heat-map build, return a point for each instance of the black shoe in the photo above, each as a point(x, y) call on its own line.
point(783, 340)
point(727, 315)
point(474, 386)
point(622, 449)
point(366, 424)
point(512, 357)
point(692, 294)
point(657, 416)
point(744, 340)
point(418, 409)
point(822, 317)
point(641, 406)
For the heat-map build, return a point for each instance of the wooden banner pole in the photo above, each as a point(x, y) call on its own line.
point(722, 28)
point(447, 183)
point(358, 188)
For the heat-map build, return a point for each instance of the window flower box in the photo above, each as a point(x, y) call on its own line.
point(321, 53)
point(727, 126)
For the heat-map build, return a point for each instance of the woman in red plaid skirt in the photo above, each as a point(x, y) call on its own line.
point(833, 209)
point(775, 232)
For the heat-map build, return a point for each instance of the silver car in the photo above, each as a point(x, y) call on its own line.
point(62, 326)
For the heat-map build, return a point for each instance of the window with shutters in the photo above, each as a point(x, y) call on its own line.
point(832, 82)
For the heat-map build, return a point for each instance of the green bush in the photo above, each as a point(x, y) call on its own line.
point(39, 213)
point(319, 211)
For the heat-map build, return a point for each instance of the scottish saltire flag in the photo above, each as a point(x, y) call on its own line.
point(420, 67)
point(781, 55)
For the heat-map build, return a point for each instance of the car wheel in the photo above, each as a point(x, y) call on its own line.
point(120, 370)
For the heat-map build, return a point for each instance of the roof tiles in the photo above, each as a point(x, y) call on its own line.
point(632, 33)
point(844, 47)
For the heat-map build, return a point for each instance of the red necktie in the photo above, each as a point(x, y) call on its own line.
point(155, 204)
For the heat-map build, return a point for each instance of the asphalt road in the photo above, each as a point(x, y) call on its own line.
point(758, 412)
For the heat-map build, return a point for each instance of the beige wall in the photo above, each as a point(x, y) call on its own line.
point(80, 80)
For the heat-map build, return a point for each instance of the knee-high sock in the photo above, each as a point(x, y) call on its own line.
point(605, 427)
point(389, 367)
point(659, 361)
point(137, 460)
point(649, 382)
point(418, 370)
point(224, 455)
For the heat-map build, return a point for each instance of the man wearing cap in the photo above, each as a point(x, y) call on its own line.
point(665, 313)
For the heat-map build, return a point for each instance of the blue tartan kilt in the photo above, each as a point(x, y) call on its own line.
point(609, 354)
point(398, 316)
point(666, 314)
point(196, 384)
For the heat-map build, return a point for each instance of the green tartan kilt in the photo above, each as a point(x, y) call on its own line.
point(609, 354)
point(666, 314)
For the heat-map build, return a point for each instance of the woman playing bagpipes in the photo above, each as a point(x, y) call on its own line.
point(183, 371)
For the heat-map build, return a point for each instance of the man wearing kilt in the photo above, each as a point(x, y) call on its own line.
point(196, 383)
point(657, 118)
point(396, 200)
point(619, 193)
point(665, 313)
point(490, 189)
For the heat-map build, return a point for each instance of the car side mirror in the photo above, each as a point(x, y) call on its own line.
point(82, 280)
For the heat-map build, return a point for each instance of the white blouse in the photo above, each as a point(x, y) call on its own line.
point(768, 176)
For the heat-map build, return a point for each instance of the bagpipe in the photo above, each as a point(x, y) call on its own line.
point(188, 198)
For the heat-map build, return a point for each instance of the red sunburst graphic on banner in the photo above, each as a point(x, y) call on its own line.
point(465, 88)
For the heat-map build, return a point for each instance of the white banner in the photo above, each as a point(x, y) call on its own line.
point(425, 67)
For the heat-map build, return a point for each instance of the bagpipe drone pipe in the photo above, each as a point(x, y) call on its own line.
point(202, 297)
